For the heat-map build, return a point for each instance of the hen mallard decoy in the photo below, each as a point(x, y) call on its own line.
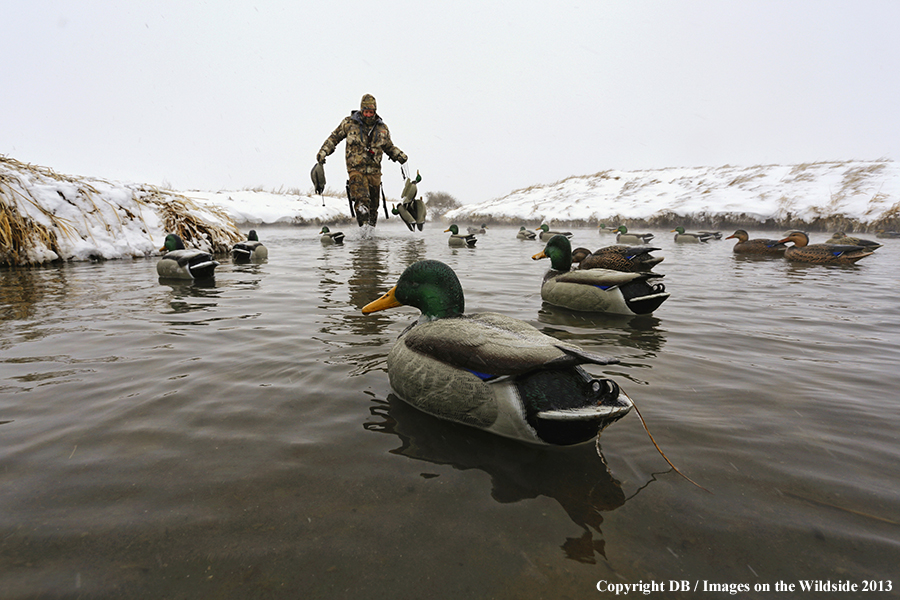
point(458, 239)
point(251, 250)
point(490, 371)
point(331, 237)
point(628, 259)
point(181, 263)
point(474, 230)
point(683, 237)
point(823, 254)
point(712, 235)
point(624, 237)
point(884, 234)
point(525, 234)
point(843, 239)
point(758, 246)
point(596, 290)
point(546, 234)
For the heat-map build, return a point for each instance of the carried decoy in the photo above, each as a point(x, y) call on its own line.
point(758, 246)
point(683, 237)
point(459, 240)
point(251, 250)
point(545, 233)
point(491, 371)
point(629, 259)
point(842, 238)
point(331, 237)
point(474, 230)
point(822, 254)
point(525, 234)
point(624, 237)
point(181, 263)
point(411, 210)
point(597, 290)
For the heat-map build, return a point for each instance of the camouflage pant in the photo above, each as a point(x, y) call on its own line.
point(364, 190)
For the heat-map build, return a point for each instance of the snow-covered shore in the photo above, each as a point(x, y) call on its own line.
point(45, 216)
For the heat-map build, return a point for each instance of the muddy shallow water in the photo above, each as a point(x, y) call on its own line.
point(240, 439)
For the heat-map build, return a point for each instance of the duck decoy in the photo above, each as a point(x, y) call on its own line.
point(682, 237)
point(881, 233)
point(758, 246)
point(603, 228)
point(546, 234)
point(597, 290)
point(459, 240)
point(843, 239)
point(411, 210)
point(629, 259)
point(624, 237)
point(711, 235)
point(331, 237)
point(822, 254)
point(181, 263)
point(491, 371)
point(525, 234)
point(251, 250)
point(474, 230)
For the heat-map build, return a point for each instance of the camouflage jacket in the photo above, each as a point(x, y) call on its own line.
point(365, 145)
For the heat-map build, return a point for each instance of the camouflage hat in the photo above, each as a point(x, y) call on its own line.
point(367, 103)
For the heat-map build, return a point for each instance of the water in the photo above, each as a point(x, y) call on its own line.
point(240, 440)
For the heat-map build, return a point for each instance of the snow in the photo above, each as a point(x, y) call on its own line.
point(94, 218)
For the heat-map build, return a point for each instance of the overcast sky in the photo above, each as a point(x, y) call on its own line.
point(484, 97)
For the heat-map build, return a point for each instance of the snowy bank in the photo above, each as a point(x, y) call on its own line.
point(855, 195)
point(45, 216)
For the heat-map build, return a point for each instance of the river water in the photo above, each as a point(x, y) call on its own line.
point(239, 439)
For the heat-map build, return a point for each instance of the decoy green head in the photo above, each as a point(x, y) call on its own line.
point(429, 285)
point(173, 242)
point(622, 229)
point(252, 237)
point(522, 228)
point(679, 229)
point(559, 251)
point(325, 229)
point(543, 228)
point(452, 229)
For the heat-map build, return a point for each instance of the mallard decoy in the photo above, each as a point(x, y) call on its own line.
point(490, 371)
point(474, 230)
point(711, 235)
point(596, 290)
point(623, 237)
point(887, 234)
point(251, 250)
point(181, 263)
point(330, 237)
point(629, 259)
point(823, 254)
point(579, 254)
point(525, 234)
point(842, 239)
point(759, 246)
point(411, 210)
point(546, 234)
point(458, 239)
point(682, 237)
point(604, 228)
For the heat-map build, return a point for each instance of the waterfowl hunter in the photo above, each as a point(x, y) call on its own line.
point(490, 371)
point(251, 250)
point(596, 290)
point(181, 263)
